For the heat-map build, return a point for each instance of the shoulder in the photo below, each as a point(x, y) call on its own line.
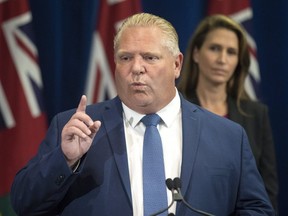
point(247, 107)
point(254, 108)
point(253, 105)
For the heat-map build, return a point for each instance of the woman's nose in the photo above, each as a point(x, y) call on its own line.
point(222, 58)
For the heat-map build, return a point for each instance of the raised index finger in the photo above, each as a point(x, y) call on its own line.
point(82, 104)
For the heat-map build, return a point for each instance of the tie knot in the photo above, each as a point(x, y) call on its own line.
point(151, 119)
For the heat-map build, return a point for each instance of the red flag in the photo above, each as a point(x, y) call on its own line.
point(241, 11)
point(22, 121)
point(100, 80)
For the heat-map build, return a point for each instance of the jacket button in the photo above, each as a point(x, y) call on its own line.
point(59, 179)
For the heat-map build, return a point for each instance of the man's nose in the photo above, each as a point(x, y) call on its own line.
point(138, 65)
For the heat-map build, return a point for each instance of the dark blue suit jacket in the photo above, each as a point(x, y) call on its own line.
point(257, 126)
point(218, 173)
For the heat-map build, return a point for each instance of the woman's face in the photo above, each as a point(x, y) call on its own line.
point(217, 59)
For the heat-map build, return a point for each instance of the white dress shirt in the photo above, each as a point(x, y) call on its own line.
point(171, 135)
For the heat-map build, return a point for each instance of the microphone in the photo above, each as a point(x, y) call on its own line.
point(177, 186)
point(170, 185)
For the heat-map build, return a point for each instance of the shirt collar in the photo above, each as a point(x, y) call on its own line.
point(167, 114)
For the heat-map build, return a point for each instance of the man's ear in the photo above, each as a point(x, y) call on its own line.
point(178, 65)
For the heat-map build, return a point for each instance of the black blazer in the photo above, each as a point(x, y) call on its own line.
point(257, 126)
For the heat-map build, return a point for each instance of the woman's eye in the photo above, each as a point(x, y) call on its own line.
point(232, 52)
point(215, 48)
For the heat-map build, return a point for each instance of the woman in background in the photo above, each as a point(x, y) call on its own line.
point(215, 66)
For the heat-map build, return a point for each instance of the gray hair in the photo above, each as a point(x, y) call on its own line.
point(145, 19)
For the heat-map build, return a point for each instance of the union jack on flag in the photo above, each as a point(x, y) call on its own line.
point(22, 117)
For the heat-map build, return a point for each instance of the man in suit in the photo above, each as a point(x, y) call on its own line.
point(90, 162)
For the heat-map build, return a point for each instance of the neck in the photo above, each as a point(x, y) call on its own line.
point(213, 99)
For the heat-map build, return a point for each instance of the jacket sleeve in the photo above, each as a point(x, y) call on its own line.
point(40, 186)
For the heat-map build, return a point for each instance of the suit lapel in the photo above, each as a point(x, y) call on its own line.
point(191, 132)
point(113, 123)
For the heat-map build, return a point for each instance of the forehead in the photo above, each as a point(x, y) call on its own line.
point(144, 38)
point(223, 36)
point(141, 33)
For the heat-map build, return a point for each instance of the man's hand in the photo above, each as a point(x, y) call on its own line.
point(78, 133)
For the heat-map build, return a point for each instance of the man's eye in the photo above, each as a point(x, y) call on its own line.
point(125, 58)
point(151, 58)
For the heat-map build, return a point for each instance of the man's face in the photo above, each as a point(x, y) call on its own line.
point(145, 70)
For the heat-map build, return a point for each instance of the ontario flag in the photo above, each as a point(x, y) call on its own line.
point(22, 120)
point(100, 79)
point(241, 11)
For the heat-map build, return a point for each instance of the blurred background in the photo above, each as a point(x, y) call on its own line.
point(53, 51)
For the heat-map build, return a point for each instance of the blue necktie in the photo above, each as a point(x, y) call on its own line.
point(154, 188)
